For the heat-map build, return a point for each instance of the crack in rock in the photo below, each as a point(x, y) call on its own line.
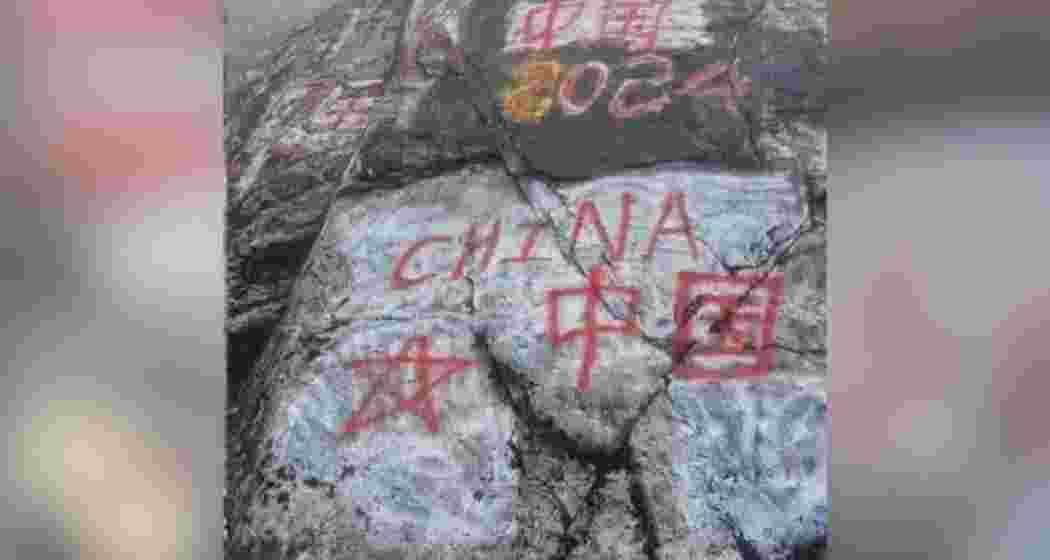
point(515, 393)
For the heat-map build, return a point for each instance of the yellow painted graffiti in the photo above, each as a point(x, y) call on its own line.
point(534, 91)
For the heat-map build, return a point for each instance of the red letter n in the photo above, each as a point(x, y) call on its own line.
point(673, 201)
point(399, 281)
point(473, 243)
point(587, 210)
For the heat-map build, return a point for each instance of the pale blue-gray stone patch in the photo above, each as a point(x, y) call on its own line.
point(754, 453)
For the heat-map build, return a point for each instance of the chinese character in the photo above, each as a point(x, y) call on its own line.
point(542, 25)
point(634, 24)
point(741, 331)
point(591, 329)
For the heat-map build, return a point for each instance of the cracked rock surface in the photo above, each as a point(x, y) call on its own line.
point(454, 334)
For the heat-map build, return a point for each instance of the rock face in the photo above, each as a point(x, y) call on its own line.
point(530, 279)
point(752, 462)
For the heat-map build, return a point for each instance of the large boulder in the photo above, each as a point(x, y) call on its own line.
point(529, 279)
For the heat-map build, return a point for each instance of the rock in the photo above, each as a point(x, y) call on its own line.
point(488, 301)
point(752, 460)
point(286, 161)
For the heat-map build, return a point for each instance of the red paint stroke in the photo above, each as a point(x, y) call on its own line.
point(591, 328)
point(408, 68)
point(673, 201)
point(316, 92)
point(234, 169)
point(547, 17)
point(399, 281)
point(429, 35)
point(387, 382)
point(288, 151)
point(530, 243)
point(567, 90)
point(638, 21)
point(717, 80)
point(626, 105)
point(473, 243)
point(377, 89)
point(347, 113)
point(538, 88)
point(432, 36)
point(586, 210)
point(714, 80)
point(733, 318)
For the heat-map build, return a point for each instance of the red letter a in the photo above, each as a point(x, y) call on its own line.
point(674, 200)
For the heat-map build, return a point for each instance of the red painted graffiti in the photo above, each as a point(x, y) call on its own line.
point(674, 201)
point(717, 80)
point(234, 169)
point(741, 308)
point(570, 86)
point(376, 89)
point(316, 92)
point(542, 24)
point(587, 212)
point(593, 292)
point(633, 24)
point(386, 382)
point(733, 322)
point(349, 111)
point(288, 151)
point(530, 243)
point(399, 281)
point(636, 97)
point(428, 35)
point(627, 104)
point(346, 113)
point(739, 325)
point(473, 243)
point(587, 216)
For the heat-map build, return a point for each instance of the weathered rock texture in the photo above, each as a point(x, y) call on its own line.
point(530, 279)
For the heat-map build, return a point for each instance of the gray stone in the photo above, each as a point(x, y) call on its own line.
point(386, 206)
point(752, 462)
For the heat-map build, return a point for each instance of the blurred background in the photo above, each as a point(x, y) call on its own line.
point(111, 223)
